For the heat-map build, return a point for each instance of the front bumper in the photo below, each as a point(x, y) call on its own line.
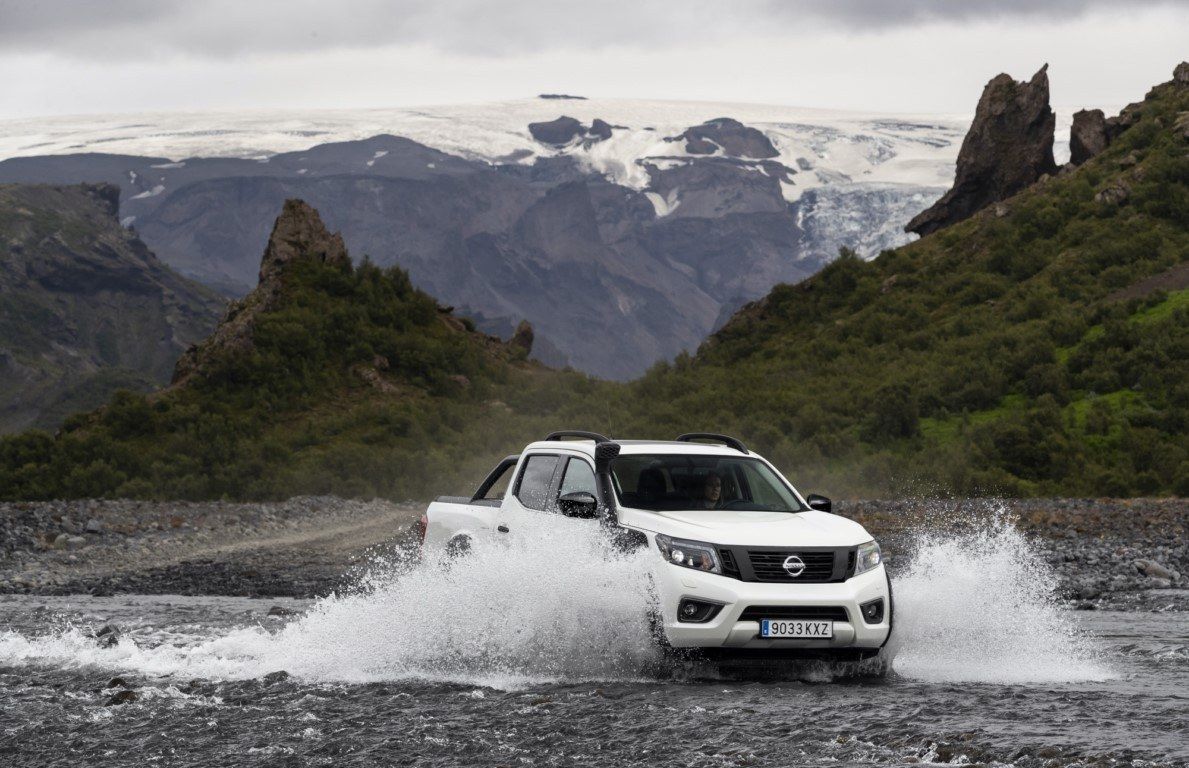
point(727, 631)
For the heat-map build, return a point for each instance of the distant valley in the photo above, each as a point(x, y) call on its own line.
point(624, 232)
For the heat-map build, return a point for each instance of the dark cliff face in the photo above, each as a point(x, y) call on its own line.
point(1009, 146)
point(86, 308)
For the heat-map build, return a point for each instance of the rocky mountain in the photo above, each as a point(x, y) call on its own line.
point(85, 307)
point(1008, 147)
point(325, 373)
point(1040, 346)
point(645, 224)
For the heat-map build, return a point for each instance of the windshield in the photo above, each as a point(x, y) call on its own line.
point(669, 482)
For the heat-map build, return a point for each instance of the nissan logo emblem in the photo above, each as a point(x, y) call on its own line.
point(794, 566)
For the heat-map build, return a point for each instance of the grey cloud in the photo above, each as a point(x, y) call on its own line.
point(128, 29)
point(867, 14)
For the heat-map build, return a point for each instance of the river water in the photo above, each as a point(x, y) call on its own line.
point(538, 653)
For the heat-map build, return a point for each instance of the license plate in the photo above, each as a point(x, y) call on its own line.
point(799, 628)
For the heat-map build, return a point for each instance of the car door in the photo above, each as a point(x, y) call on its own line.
point(532, 489)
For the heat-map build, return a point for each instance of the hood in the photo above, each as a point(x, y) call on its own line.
point(769, 529)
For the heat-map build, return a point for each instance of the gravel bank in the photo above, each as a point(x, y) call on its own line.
point(1107, 553)
point(302, 547)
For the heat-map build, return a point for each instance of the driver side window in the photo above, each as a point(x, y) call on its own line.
point(578, 477)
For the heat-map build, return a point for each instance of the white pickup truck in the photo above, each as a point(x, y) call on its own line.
point(745, 564)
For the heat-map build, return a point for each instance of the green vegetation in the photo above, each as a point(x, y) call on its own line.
point(355, 384)
point(1000, 355)
point(992, 356)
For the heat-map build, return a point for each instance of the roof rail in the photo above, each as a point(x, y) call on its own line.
point(578, 433)
point(727, 440)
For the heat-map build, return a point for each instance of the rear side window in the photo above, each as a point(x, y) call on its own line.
point(496, 484)
point(533, 490)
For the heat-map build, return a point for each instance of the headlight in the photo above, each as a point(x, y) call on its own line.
point(868, 557)
point(689, 554)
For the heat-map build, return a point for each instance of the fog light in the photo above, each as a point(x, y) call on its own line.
point(872, 611)
point(692, 611)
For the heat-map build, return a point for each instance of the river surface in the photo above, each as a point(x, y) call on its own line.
point(448, 665)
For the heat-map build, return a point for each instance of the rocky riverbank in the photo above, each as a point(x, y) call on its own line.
point(1106, 553)
point(299, 548)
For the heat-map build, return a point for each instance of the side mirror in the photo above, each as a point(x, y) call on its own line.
point(581, 504)
point(819, 502)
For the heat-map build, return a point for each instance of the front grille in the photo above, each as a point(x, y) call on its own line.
point(728, 563)
point(768, 565)
point(809, 612)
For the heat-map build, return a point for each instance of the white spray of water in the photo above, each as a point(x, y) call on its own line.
point(559, 606)
point(979, 607)
point(556, 606)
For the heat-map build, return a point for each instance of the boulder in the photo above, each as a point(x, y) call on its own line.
point(93, 526)
point(1180, 75)
point(1154, 570)
point(1087, 137)
point(108, 635)
point(120, 697)
point(1009, 146)
point(1116, 194)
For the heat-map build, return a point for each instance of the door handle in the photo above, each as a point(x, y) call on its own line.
point(502, 528)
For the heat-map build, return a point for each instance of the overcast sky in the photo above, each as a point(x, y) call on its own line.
point(89, 56)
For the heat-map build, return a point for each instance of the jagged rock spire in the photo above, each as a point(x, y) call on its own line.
point(1009, 146)
point(297, 234)
point(300, 234)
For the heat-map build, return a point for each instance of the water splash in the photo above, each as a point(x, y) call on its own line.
point(979, 607)
point(560, 606)
point(557, 606)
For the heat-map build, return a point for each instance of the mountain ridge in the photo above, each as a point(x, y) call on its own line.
point(87, 308)
point(1040, 346)
point(455, 220)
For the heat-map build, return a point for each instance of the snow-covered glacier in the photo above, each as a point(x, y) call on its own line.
point(654, 219)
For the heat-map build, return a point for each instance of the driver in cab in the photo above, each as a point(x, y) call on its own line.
point(711, 493)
